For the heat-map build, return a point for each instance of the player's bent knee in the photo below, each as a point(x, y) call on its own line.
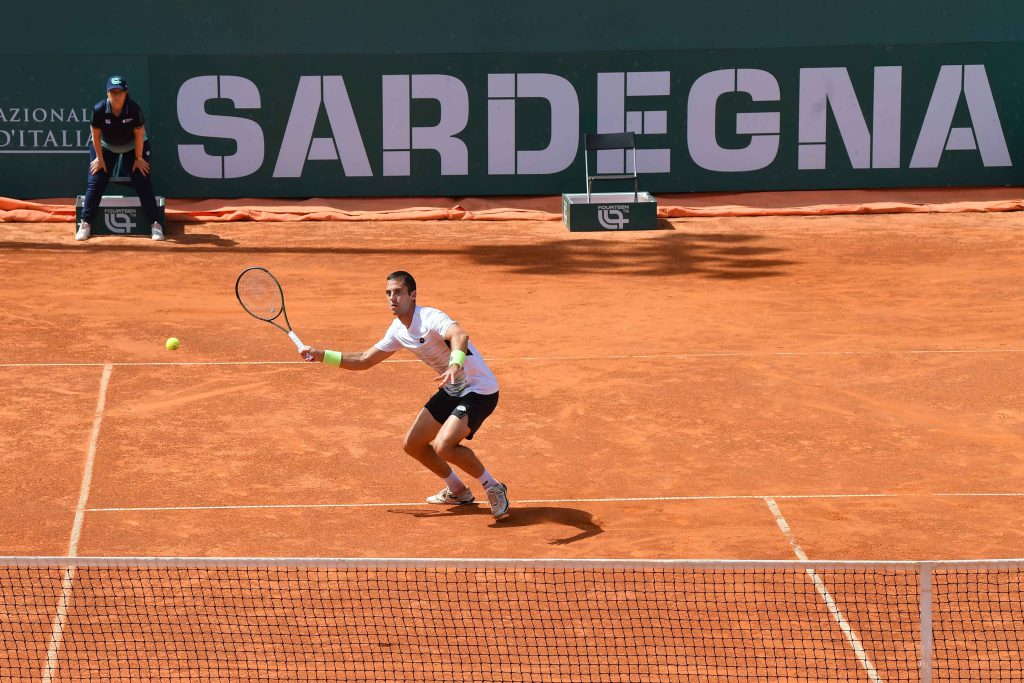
point(413, 448)
point(443, 449)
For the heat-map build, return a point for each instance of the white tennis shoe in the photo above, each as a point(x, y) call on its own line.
point(157, 231)
point(497, 496)
point(446, 497)
point(84, 230)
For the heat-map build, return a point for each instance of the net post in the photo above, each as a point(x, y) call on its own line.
point(925, 607)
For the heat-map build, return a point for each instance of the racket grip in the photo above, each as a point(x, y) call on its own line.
point(295, 338)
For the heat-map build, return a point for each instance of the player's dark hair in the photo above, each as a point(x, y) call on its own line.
point(405, 278)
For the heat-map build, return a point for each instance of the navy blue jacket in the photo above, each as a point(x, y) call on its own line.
point(117, 130)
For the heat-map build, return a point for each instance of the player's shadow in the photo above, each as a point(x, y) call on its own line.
point(581, 520)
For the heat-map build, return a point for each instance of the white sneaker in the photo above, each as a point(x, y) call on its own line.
point(158, 232)
point(497, 496)
point(446, 497)
point(84, 230)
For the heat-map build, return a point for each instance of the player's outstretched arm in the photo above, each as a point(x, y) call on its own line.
point(349, 361)
point(459, 341)
point(458, 337)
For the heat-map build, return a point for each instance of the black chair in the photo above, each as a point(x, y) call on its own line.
point(596, 141)
point(119, 176)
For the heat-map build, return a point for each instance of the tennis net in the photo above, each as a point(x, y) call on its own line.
point(509, 620)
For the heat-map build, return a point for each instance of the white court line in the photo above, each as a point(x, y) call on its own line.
point(848, 632)
point(541, 501)
point(500, 359)
point(90, 458)
point(61, 616)
point(995, 495)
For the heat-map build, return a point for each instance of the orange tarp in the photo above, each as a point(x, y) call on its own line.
point(928, 200)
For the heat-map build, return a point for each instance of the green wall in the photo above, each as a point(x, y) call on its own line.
point(488, 98)
point(233, 27)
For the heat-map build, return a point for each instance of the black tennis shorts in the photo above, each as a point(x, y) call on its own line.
point(477, 406)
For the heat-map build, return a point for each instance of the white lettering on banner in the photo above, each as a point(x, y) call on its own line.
point(502, 156)
point(247, 134)
point(41, 115)
point(397, 131)
point(824, 88)
point(299, 145)
point(937, 132)
point(51, 137)
point(762, 127)
point(824, 94)
point(501, 124)
point(28, 141)
point(400, 136)
point(80, 138)
point(612, 117)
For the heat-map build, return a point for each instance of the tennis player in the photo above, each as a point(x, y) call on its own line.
point(467, 393)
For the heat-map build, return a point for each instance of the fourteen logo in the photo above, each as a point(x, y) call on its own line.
point(611, 219)
point(120, 222)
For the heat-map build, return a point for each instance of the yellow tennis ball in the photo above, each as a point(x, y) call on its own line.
point(172, 343)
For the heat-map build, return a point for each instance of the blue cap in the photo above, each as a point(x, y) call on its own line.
point(117, 83)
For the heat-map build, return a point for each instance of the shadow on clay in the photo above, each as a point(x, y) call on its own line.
point(582, 520)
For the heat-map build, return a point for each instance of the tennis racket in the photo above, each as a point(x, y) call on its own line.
point(261, 296)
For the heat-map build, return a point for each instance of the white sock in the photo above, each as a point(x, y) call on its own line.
point(487, 480)
point(455, 484)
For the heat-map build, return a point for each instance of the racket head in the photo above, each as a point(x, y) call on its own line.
point(260, 294)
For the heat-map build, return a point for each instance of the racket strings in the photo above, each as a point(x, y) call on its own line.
point(260, 294)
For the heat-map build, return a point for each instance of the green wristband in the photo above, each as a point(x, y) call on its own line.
point(333, 358)
point(457, 358)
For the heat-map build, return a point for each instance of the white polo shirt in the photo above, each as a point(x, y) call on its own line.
point(425, 338)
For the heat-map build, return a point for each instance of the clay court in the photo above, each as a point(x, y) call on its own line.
point(843, 387)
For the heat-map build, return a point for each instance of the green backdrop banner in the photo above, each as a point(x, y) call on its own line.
point(413, 27)
point(494, 124)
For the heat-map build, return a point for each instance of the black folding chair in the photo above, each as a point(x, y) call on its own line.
point(596, 141)
point(120, 175)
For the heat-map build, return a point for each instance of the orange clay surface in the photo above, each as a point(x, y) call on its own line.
point(659, 389)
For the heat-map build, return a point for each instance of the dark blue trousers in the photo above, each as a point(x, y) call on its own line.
point(143, 184)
